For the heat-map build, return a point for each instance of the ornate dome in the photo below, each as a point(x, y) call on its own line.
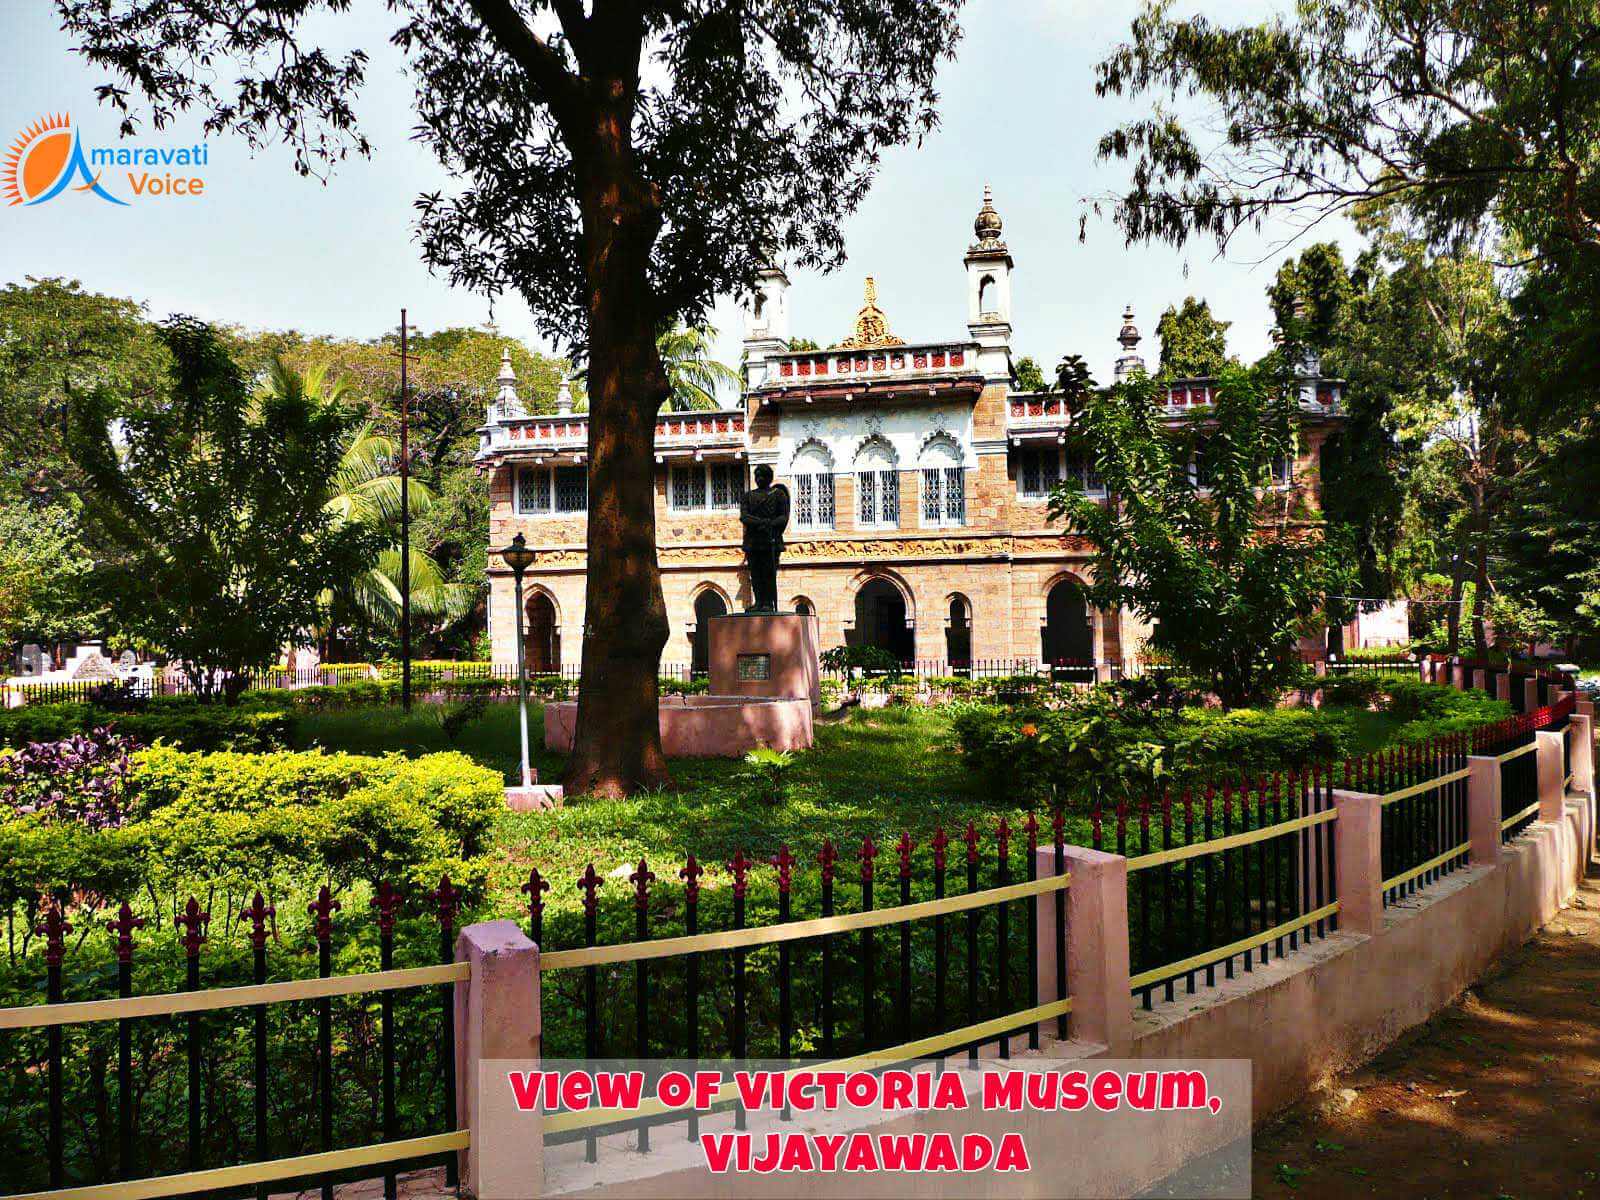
point(988, 225)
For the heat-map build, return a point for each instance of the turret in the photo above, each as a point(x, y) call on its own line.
point(1130, 360)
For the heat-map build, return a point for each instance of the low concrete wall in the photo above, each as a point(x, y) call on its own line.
point(1337, 1002)
point(705, 726)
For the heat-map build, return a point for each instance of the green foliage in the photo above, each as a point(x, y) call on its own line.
point(766, 773)
point(1028, 375)
point(1473, 125)
point(179, 721)
point(283, 821)
point(209, 509)
point(44, 573)
point(1193, 342)
point(847, 660)
point(57, 341)
point(454, 718)
point(1228, 581)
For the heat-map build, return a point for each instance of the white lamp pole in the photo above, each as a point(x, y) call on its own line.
point(518, 557)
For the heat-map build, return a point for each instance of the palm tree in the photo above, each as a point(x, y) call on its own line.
point(694, 375)
point(365, 490)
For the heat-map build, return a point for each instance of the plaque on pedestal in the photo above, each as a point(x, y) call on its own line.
point(765, 654)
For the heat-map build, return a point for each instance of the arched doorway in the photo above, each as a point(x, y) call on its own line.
point(709, 603)
point(958, 636)
point(881, 620)
point(543, 637)
point(1068, 634)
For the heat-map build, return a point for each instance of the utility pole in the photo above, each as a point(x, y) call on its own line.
point(405, 521)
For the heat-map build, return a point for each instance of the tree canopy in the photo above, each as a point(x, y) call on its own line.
point(1193, 342)
point(1228, 578)
point(209, 506)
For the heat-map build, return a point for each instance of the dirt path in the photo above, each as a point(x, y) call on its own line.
point(1496, 1098)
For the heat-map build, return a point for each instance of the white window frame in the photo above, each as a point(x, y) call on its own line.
point(702, 473)
point(943, 488)
point(1055, 453)
point(877, 473)
point(547, 506)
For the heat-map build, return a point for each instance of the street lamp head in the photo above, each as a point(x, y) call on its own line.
point(517, 556)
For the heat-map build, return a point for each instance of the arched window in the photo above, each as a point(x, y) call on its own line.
point(881, 620)
point(958, 635)
point(877, 485)
point(813, 487)
point(804, 607)
point(541, 636)
point(944, 489)
point(708, 604)
point(986, 294)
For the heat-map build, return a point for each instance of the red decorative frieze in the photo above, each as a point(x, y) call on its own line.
point(957, 357)
point(822, 366)
point(919, 360)
point(844, 366)
point(805, 366)
point(786, 368)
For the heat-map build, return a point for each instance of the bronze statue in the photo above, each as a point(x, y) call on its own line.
point(764, 513)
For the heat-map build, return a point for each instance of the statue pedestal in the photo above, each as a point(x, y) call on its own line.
point(765, 654)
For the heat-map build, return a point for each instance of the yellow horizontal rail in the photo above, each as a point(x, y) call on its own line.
point(1515, 817)
point(1427, 785)
point(928, 1047)
point(246, 1174)
point(1234, 840)
point(1438, 860)
point(39, 1016)
point(763, 935)
point(1207, 957)
point(1517, 753)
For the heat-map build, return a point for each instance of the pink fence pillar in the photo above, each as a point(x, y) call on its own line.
point(1502, 686)
point(1550, 749)
point(1483, 810)
point(1530, 694)
point(497, 1032)
point(1358, 854)
point(1097, 946)
point(1583, 753)
point(1480, 680)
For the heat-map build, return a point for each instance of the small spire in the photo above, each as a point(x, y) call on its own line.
point(564, 397)
point(506, 403)
point(1129, 337)
point(988, 226)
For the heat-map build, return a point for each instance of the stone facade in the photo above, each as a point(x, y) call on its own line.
point(962, 565)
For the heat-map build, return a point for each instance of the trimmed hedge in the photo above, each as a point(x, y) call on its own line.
point(281, 821)
point(1028, 749)
point(177, 721)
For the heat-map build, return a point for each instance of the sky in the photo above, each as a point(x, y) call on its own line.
point(268, 249)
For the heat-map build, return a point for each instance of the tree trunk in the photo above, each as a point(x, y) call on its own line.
point(1480, 592)
point(1453, 612)
point(617, 745)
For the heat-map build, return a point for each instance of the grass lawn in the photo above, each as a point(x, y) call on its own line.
point(874, 773)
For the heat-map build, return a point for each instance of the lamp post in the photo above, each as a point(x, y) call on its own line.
point(519, 558)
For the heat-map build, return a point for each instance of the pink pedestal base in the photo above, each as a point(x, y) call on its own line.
point(706, 726)
point(783, 645)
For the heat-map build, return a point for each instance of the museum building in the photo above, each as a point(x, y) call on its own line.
point(918, 477)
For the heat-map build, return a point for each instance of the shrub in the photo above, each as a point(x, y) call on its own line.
point(1361, 688)
point(280, 821)
point(81, 779)
point(177, 721)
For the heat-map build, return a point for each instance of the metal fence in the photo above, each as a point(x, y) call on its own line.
point(1259, 879)
point(844, 973)
point(277, 1078)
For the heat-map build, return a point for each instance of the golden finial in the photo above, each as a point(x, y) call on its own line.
point(872, 327)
